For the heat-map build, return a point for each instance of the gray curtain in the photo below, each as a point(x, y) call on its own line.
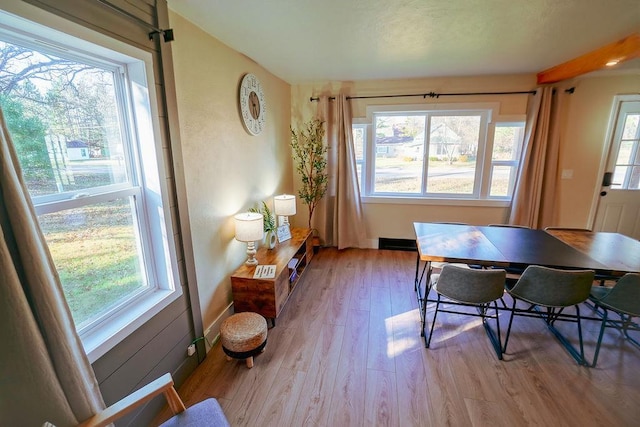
point(44, 372)
point(534, 196)
point(344, 222)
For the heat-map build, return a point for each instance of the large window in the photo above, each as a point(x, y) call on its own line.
point(455, 153)
point(83, 129)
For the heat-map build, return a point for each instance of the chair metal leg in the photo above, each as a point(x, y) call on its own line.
point(579, 357)
point(433, 323)
point(625, 329)
point(602, 327)
point(506, 338)
point(495, 339)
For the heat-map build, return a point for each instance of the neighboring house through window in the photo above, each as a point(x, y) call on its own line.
point(81, 121)
point(455, 152)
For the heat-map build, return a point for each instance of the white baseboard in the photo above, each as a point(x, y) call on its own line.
point(212, 333)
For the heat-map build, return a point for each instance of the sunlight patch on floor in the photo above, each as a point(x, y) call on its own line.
point(403, 332)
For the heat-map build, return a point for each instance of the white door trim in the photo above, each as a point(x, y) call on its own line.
point(606, 150)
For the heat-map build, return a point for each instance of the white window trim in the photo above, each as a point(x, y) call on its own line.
point(480, 198)
point(21, 18)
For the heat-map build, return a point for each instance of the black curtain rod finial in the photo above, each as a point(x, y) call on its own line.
point(167, 34)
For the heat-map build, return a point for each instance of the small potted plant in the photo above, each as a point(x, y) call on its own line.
point(269, 222)
point(310, 155)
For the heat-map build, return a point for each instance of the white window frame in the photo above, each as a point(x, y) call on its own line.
point(480, 196)
point(515, 121)
point(137, 94)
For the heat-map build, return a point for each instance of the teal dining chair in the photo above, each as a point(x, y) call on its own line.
point(548, 292)
point(465, 286)
point(624, 299)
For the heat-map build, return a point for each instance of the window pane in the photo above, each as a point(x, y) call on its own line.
point(95, 250)
point(502, 180)
point(453, 145)
point(624, 153)
point(618, 176)
point(507, 141)
point(358, 142)
point(399, 148)
point(64, 121)
point(634, 179)
point(630, 130)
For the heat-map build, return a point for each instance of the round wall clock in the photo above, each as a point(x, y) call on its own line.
point(252, 104)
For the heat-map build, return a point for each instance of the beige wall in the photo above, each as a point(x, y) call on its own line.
point(395, 220)
point(583, 133)
point(226, 170)
point(584, 144)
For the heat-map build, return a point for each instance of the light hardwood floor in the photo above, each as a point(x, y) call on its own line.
point(347, 351)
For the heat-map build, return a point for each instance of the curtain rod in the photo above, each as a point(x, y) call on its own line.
point(166, 34)
point(437, 95)
point(430, 95)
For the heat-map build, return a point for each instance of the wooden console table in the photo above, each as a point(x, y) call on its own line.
point(268, 296)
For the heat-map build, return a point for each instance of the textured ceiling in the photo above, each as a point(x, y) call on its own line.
point(310, 40)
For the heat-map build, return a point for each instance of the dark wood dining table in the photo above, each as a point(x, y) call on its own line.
point(608, 254)
point(620, 253)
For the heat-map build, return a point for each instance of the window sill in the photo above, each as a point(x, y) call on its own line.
point(122, 323)
point(398, 200)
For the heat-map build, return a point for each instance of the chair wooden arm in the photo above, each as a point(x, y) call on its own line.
point(164, 384)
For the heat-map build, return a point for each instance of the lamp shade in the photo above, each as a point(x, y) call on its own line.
point(285, 204)
point(249, 226)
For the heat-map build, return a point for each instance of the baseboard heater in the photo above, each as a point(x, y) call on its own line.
point(397, 244)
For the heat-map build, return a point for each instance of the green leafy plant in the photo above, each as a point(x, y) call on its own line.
point(310, 155)
point(269, 217)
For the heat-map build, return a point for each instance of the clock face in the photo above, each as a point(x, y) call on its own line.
point(252, 104)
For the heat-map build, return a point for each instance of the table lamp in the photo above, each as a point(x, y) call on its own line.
point(249, 228)
point(284, 205)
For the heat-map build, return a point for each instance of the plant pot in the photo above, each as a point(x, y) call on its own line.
point(270, 239)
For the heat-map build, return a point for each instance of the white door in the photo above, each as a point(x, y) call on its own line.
point(619, 204)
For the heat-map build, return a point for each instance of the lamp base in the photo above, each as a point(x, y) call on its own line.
point(251, 254)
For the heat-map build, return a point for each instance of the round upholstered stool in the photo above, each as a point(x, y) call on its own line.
point(243, 335)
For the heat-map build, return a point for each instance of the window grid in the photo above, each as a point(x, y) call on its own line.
point(447, 154)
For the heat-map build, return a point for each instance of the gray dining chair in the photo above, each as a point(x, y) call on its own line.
point(463, 286)
point(624, 299)
point(553, 290)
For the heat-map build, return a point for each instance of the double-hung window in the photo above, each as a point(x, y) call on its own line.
point(455, 152)
point(81, 120)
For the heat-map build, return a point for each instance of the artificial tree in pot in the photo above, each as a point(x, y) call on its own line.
point(310, 155)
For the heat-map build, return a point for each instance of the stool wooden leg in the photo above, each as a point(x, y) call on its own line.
point(250, 362)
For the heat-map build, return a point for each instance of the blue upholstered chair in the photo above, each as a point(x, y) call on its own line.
point(206, 413)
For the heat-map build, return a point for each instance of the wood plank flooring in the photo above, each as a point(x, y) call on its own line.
point(347, 351)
